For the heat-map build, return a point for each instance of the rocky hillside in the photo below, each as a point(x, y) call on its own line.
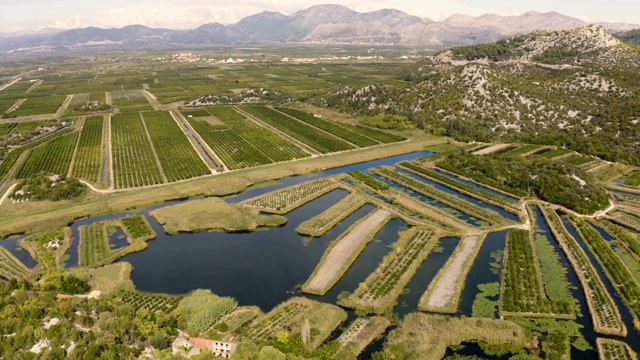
point(577, 88)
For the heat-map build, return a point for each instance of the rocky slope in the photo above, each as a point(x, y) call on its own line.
point(576, 88)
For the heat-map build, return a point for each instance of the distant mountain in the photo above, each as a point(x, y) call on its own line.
point(320, 24)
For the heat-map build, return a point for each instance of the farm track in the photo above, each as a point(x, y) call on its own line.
point(212, 154)
point(75, 149)
point(63, 107)
point(344, 253)
point(205, 159)
point(491, 149)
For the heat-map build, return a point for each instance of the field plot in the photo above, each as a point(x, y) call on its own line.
point(137, 228)
point(94, 244)
point(443, 294)
point(339, 130)
point(267, 142)
point(603, 310)
point(134, 162)
point(627, 219)
point(88, 160)
point(462, 188)
point(130, 100)
point(609, 349)
point(10, 267)
point(37, 106)
point(178, 158)
point(225, 327)
point(315, 138)
point(53, 157)
point(86, 103)
point(284, 200)
point(150, 301)
point(343, 251)
point(359, 334)
point(522, 289)
point(629, 241)
point(94, 248)
point(380, 291)
point(321, 223)
point(290, 317)
point(48, 248)
point(615, 269)
point(442, 197)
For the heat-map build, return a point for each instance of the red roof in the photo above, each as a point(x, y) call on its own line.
point(199, 343)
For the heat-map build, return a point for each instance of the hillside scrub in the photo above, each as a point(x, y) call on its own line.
point(213, 214)
point(550, 181)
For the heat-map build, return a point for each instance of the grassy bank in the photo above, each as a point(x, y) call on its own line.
point(213, 214)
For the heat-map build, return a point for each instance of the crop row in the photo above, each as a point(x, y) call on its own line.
point(233, 150)
point(133, 105)
point(178, 158)
point(127, 94)
point(311, 136)
point(628, 241)
point(369, 181)
point(38, 105)
point(12, 157)
point(150, 301)
point(381, 136)
point(138, 227)
point(94, 244)
point(336, 129)
point(626, 219)
point(78, 100)
point(269, 143)
point(277, 319)
point(609, 349)
point(382, 287)
point(321, 223)
point(284, 200)
point(54, 157)
point(604, 313)
point(615, 269)
point(442, 197)
point(522, 290)
point(10, 267)
point(458, 186)
point(134, 163)
point(6, 128)
point(88, 161)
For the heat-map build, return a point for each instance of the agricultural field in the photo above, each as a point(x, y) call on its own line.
point(321, 223)
point(522, 287)
point(379, 292)
point(37, 106)
point(10, 267)
point(453, 201)
point(343, 131)
point(627, 219)
point(343, 251)
point(360, 333)
point(137, 228)
point(616, 271)
point(51, 158)
point(610, 349)
point(285, 200)
point(86, 103)
point(178, 158)
point(602, 309)
point(134, 160)
point(461, 187)
point(151, 302)
point(311, 136)
point(89, 159)
point(129, 101)
point(94, 244)
point(290, 317)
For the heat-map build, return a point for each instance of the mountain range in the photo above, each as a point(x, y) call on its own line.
point(317, 25)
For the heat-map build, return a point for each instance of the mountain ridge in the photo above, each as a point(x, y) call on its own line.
point(327, 24)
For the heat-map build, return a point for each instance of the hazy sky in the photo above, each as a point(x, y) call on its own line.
point(18, 15)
